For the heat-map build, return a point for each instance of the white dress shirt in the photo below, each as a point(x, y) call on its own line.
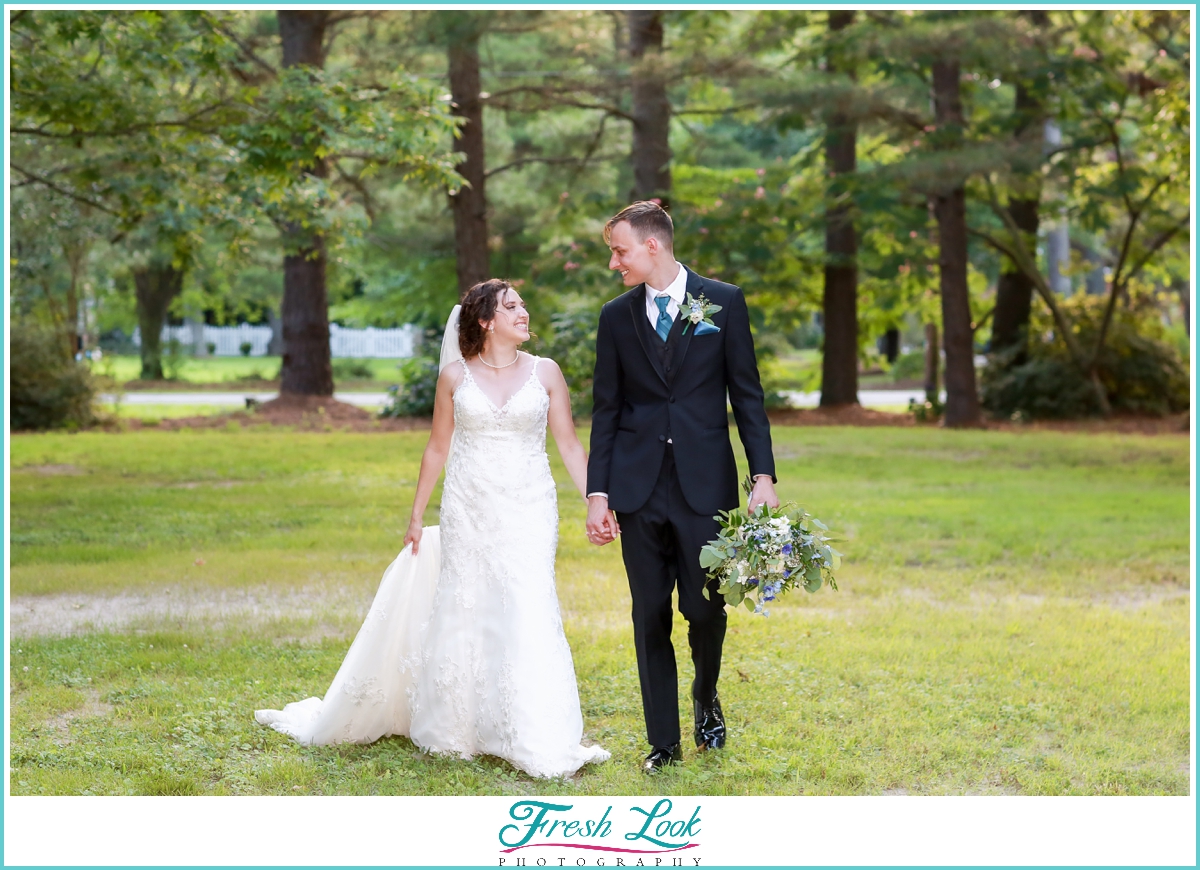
point(675, 290)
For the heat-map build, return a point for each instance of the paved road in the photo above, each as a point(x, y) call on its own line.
point(869, 398)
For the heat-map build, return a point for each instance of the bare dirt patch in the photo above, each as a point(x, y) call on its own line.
point(211, 484)
point(51, 470)
point(1124, 424)
point(303, 413)
point(839, 415)
point(92, 708)
point(856, 415)
point(262, 385)
point(326, 610)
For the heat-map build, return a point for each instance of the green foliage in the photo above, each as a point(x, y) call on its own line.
point(909, 366)
point(135, 130)
point(306, 116)
point(758, 556)
point(1141, 371)
point(572, 344)
point(415, 394)
point(176, 358)
point(929, 411)
point(345, 369)
point(47, 388)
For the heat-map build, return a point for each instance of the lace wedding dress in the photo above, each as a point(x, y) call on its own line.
point(463, 649)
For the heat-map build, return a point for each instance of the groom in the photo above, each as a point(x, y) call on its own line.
point(661, 464)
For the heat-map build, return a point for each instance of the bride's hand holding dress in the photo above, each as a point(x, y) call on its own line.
point(433, 460)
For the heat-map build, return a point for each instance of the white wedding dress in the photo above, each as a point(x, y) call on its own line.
point(463, 649)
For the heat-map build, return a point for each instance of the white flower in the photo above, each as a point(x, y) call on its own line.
point(696, 316)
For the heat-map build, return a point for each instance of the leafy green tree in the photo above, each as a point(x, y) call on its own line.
point(117, 113)
point(1123, 169)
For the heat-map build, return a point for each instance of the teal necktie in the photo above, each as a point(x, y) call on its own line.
point(663, 326)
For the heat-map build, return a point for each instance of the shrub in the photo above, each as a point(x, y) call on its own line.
point(572, 344)
point(174, 360)
point(1141, 371)
point(352, 369)
point(909, 366)
point(929, 411)
point(413, 396)
point(49, 389)
point(245, 347)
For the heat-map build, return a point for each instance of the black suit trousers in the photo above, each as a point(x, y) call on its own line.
point(660, 543)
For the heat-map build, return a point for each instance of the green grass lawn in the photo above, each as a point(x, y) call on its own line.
point(230, 370)
point(1013, 618)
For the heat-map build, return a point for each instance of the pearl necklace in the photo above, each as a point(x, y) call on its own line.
point(506, 365)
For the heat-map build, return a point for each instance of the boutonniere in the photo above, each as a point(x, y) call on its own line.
point(700, 312)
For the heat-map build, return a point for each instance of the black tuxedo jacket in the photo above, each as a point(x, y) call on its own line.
point(636, 403)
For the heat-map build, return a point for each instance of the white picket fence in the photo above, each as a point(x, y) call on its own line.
point(397, 343)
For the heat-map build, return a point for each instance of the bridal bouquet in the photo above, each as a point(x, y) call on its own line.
point(759, 556)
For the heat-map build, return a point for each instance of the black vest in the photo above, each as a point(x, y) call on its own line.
point(665, 349)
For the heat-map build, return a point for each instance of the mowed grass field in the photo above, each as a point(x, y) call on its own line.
point(1013, 618)
point(232, 370)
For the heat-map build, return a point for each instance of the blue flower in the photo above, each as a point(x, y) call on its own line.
point(753, 581)
point(787, 549)
point(786, 573)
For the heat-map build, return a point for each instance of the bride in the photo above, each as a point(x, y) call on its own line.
point(463, 649)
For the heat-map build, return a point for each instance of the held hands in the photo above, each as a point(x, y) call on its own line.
point(763, 493)
point(602, 527)
point(413, 534)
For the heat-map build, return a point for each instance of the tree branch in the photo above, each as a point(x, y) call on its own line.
point(246, 50)
point(524, 161)
point(34, 178)
point(357, 183)
point(184, 123)
point(727, 111)
point(1162, 239)
point(979, 324)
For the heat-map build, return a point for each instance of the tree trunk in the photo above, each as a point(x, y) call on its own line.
point(57, 316)
point(469, 204)
point(75, 255)
point(1185, 302)
point(1014, 291)
point(651, 110)
point(933, 360)
point(155, 285)
point(962, 399)
point(275, 345)
point(839, 361)
point(307, 368)
point(72, 323)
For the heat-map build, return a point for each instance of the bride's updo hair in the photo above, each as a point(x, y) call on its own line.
point(479, 304)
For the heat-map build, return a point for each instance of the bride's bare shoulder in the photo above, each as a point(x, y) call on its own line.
point(452, 375)
point(548, 372)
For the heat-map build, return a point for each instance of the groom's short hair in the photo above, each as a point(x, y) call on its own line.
point(646, 219)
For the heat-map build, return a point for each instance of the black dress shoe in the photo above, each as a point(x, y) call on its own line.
point(710, 724)
point(661, 756)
